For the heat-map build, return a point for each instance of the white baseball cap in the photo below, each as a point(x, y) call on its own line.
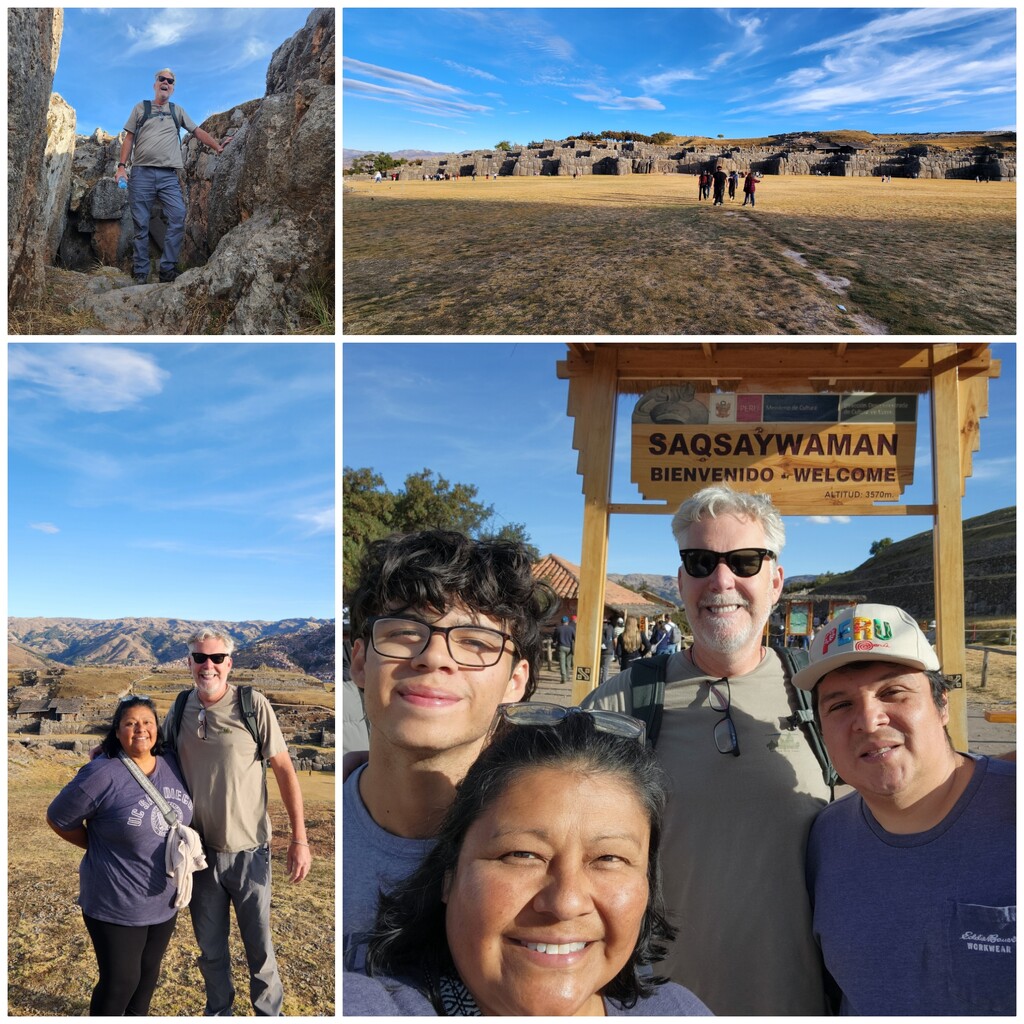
point(867, 632)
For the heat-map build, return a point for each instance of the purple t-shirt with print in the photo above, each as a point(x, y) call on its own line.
point(122, 875)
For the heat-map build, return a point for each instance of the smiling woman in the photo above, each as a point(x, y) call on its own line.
point(542, 895)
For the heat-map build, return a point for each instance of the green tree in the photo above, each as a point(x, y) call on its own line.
point(880, 545)
point(515, 532)
point(368, 514)
point(504, 145)
point(662, 138)
point(427, 503)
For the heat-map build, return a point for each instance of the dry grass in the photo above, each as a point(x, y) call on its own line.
point(640, 255)
point(51, 313)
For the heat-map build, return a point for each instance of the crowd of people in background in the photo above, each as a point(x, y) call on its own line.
point(718, 180)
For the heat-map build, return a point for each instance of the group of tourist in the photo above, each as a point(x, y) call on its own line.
point(508, 857)
point(178, 817)
point(718, 180)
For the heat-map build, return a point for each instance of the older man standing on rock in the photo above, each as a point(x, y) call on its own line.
point(152, 137)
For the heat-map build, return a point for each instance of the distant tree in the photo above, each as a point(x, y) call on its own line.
point(504, 145)
point(880, 545)
point(662, 138)
point(426, 501)
point(720, 135)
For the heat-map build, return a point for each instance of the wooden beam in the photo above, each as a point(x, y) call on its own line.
point(597, 412)
point(947, 536)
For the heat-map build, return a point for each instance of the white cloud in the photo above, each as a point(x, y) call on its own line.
point(358, 67)
point(321, 521)
point(87, 377)
point(165, 28)
point(827, 520)
point(467, 70)
point(611, 99)
point(44, 527)
point(664, 81)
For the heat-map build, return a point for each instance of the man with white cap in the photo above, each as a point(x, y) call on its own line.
point(152, 137)
point(912, 878)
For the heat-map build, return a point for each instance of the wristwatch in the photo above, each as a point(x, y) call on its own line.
point(125, 166)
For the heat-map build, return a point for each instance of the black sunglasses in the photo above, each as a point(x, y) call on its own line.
point(169, 81)
point(745, 562)
point(200, 659)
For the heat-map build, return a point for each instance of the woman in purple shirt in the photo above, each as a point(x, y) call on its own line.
point(126, 896)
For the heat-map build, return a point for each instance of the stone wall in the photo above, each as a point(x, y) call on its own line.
point(33, 45)
point(573, 158)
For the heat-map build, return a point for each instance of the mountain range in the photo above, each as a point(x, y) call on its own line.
point(301, 644)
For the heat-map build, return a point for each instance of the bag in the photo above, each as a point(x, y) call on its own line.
point(647, 683)
point(183, 851)
point(147, 113)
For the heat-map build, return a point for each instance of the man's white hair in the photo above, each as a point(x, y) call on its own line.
point(165, 71)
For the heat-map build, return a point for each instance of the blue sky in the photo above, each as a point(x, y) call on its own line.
point(463, 78)
point(171, 480)
point(109, 56)
point(494, 415)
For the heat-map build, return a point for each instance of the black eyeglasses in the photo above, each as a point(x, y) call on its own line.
point(169, 81)
point(200, 659)
point(745, 562)
point(471, 646)
point(725, 730)
point(613, 722)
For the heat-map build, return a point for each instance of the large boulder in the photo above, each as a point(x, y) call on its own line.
point(57, 162)
point(33, 45)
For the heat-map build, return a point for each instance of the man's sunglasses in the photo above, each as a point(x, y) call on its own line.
point(200, 659)
point(537, 713)
point(169, 81)
point(745, 562)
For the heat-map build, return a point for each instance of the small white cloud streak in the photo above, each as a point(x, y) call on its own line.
point(44, 527)
point(610, 99)
point(467, 70)
point(166, 27)
point(827, 520)
point(425, 104)
point(321, 521)
point(664, 81)
point(87, 377)
point(358, 67)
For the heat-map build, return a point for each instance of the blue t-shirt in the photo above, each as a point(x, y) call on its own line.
point(122, 877)
point(387, 997)
point(921, 924)
point(372, 859)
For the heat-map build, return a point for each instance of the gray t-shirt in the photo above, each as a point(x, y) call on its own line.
point(732, 853)
point(372, 859)
point(156, 142)
point(122, 878)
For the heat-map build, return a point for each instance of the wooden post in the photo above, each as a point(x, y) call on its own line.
point(947, 535)
point(596, 415)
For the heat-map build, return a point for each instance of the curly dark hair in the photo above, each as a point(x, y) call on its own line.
point(437, 569)
point(410, 936)
point(111, 745)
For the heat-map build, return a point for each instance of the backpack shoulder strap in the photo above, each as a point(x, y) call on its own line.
point(647, 683)
point(177, 122)
point(793, 659)
point(249, 717)
point(177, 711)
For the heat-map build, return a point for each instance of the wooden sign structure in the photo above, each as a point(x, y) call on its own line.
point(731, 381)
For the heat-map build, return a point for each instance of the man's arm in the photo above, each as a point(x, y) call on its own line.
point(208, 140)
point(291, 793)
point(126, 148)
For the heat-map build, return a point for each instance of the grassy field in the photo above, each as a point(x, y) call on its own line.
point(51, 965)
point(640, 255)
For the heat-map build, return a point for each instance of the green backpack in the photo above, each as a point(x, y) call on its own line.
point(647, 682)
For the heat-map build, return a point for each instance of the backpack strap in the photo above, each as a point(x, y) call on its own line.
point(147, 113)
point(173, 725)
point(647, 683)
point(793, 659)
point(248, 717)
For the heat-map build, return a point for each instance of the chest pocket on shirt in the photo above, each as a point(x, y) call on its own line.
point(982, 960)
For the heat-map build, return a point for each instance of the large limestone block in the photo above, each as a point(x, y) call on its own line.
point(57, 163)
point(33, 45)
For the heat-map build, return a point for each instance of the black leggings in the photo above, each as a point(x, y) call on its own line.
point(129, 960)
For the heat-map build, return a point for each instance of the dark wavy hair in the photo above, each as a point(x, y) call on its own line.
point(111, 745)
point(410, 936)
point(437, 569)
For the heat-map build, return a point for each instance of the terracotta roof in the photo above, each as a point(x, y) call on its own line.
point(564, 578)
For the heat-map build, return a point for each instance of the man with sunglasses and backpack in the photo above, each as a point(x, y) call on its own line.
point(745, 782)
point(444, 630)
point(153, 138)
point(225, 736)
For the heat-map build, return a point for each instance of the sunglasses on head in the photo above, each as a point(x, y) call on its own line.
point(745, 562)
point(536, 713)
point(161, 78)
point(200, 659)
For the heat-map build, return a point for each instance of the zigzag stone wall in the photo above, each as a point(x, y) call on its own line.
point(573, 158)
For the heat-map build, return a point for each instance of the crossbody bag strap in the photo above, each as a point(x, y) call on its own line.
point(171, 816)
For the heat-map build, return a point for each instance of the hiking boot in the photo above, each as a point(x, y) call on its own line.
point(167, 276)
point(141, 278)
